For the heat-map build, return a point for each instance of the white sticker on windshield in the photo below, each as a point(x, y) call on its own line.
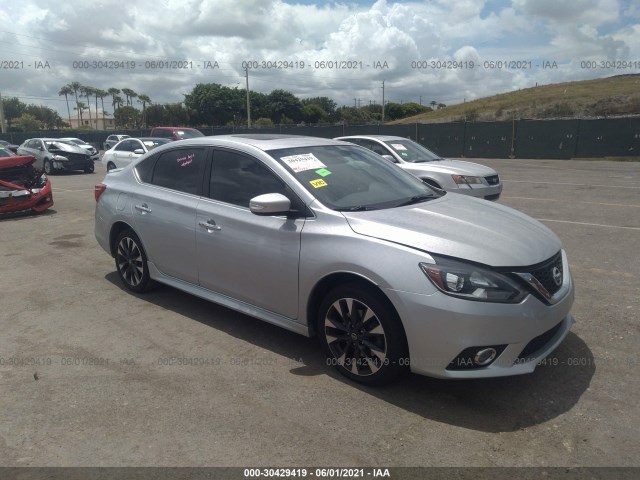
point(149, 144)
point(398, 146)
point(301, 163)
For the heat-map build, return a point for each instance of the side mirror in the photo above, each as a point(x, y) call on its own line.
point(270, 204)
point(138, 151)
point(390, 158)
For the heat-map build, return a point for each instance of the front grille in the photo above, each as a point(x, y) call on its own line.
point(77, 161)
point(538, 343)
point(492, 179)
point(545, 274)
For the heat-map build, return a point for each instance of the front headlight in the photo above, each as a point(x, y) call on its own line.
point(472, 282)
point(60, 158)
point(467, 180)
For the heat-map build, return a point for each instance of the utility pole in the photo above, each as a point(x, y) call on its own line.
point(420, 100)
point(248, 103)
point(355, 103)
point(2, 127)
point(382, 101)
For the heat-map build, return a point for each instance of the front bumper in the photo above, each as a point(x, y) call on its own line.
point(488, 192)
point(439, 327)
point(36, 199)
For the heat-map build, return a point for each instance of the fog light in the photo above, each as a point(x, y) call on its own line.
point(485, 356)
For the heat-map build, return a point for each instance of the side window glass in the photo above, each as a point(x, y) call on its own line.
point(237, 178)
point(180, 170)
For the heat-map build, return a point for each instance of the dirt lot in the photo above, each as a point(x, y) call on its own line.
point(91, 375)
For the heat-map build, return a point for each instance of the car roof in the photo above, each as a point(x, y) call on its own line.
point(264, 141)
point(384, 138)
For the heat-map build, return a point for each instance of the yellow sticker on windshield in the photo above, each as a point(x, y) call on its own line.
point(318, 183)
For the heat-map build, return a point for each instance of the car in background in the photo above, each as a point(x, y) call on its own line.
point(95, 155)
point(55, 155)
point(111, 141)
point(128, 150)
point(22, 187)
point(451, 175)
point(175, 133)
point(326, 238)
point(9, 146)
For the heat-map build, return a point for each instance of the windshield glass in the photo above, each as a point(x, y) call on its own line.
point(352, 178)
point(411, 151)
point(5, 152)
point(61, 145)
point(76, 141)
point(189, 133)
point(152, 143)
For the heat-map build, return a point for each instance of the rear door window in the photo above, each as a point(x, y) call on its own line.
point(180, 170)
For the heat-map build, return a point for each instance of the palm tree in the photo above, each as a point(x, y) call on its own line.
point(75, 86)
point(87, 91)
point(100, 94)
point(66, 90)
point(433, 104)
point(129, 94)
point(118, 101)
point(143, 99)
point(114, 93)
point(80, 107)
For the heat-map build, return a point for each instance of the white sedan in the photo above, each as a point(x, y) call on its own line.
point(126, 151)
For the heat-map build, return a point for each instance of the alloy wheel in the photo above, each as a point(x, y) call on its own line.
point(355, 337)
point(129, 261)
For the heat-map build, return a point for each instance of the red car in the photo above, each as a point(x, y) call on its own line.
point(22, 187)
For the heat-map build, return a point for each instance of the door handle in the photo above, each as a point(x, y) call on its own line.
point(210, 225)
point(144, 208)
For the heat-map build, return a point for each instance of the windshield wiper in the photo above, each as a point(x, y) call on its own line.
point(356, 208)
point(417, 199)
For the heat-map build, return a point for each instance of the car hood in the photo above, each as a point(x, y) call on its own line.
point(457, 167)
point(17, 161)
point(462, 227)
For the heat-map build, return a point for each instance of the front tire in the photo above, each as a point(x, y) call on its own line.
point(89, 168)
point(131, 262)
point(47, 166)
point(362, 335)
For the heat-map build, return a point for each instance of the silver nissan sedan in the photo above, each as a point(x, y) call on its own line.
point(457, 176)
point(326, 238)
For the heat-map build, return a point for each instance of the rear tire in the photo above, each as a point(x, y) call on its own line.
point(131, 262)
point(110, 166)
point(362, 335)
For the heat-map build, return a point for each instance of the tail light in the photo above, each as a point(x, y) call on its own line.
point(99, 190)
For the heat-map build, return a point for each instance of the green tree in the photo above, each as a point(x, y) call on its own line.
point(214, 104)
point(127, 117)
point(114, 94)
point(263, 122)
point(284, 104)
point(328, 105)
point(313, 113)
point(27, 123)
point(66, 91)
point(76, 86)
point(87, 91)
point(13, 109)
point(48, 117)
point(144, 99)
point(129, 94)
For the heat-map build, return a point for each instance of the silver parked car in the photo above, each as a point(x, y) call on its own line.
point(55, 155)
point(111, 141)
point(451, 175)
point(95, 155)
point(326, 238)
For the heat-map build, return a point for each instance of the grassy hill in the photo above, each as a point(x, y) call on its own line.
point(618, 95)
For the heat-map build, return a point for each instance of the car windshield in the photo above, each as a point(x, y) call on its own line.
point(411, 151)
point(192, 133)
point(61, 145)
point(152, 143)
point(5, 152)
point(351, 178)
point(76, 141)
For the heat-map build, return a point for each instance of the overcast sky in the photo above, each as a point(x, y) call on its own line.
point(577, 35)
